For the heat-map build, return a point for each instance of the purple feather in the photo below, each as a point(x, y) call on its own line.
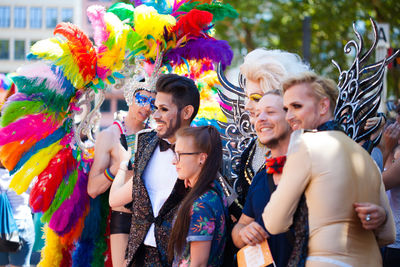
point(137, 2)
point(214, 50)
point(73, 208)
point(19, 97)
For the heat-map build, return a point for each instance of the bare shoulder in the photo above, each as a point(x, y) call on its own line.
point(108, 136)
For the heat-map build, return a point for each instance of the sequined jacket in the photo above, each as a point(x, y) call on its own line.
point(142, 212)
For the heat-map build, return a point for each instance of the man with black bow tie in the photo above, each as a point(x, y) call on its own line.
point(156, 192)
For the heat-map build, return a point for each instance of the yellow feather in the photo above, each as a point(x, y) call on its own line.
point(148, 22)
point(113, 58)
point(48, 49)
point(33, 167)
point(58, 51)
point(52, 252)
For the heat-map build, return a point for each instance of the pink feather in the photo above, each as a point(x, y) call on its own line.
point(40, 70)
point(35, 126)
point(66, 139)
point(96, 16)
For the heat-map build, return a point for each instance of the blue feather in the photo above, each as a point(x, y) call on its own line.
point(49, 140)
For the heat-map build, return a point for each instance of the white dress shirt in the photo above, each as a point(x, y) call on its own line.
point(159, 179)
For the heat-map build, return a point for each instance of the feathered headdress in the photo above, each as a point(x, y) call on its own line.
point(43, 124)
point(40, 138)
point(169, 36)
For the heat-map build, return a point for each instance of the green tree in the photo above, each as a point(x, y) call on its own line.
point(278, 24)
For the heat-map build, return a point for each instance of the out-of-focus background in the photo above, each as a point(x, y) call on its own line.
point(315, 29)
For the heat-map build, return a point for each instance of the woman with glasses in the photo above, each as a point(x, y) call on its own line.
point(199, 232)
point(106, 164)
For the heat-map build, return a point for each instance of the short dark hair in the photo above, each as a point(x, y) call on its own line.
point(183, 90)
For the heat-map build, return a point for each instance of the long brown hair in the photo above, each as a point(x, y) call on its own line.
point(207, 140)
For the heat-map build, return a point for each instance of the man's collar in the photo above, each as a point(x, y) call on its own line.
point(330, 125)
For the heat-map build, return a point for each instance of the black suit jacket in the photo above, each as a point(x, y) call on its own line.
point(142, 212)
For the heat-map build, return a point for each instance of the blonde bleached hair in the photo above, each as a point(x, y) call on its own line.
point(269, 68)
point(320, 86)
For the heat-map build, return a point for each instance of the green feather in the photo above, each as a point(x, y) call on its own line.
point(123, 11)
point(100, 243)
point(187, 6)
point(219, 10)
point(51, 99)
point(134, 41)
point(65, 190)
point(18, 109)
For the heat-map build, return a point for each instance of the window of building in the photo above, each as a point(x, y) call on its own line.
point(67, 14)
point(121, 105)
point(4, 49)
point(19, 50)
point(106, 106)
point(51, 17)
point(4, 17)
point(36, 17)
point(19, 17)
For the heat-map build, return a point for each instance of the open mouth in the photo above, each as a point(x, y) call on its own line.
point(295, 125)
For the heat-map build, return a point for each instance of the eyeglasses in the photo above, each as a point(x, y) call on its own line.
point(177, 155)
point(143, 100)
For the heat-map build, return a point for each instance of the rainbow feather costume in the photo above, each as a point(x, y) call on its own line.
point(42, 123)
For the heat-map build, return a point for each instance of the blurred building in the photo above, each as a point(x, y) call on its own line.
point(24, 22)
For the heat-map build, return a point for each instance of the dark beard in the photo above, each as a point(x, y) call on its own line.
point(273, 143)
point(173, 126)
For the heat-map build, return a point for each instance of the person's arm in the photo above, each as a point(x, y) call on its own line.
point(247, 232)
point(386, 234)
point(371, 122)
point(199, 253)
point(391, 177)
point(278, 213)
point(391, 137)
point(121, 191)
point(98, 182)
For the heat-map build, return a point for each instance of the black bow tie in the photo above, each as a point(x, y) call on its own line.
point(164, 145)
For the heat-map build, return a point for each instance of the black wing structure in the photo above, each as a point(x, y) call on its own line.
point(360, 89)
point(238, 130)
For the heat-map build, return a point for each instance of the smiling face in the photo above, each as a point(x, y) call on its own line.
point(253, 95)
point(167, 116)
point(271, 126)
point(189, 165)
point(304, 110)
point(141, 110)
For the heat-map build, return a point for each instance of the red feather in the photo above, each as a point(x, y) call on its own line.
point(193, 23)
point(67, 256)
point(49, 180)
point(81, 48)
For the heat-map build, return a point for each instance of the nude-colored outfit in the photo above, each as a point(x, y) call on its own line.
point(334, 172)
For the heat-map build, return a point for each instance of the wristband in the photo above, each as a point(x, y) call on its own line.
point(109, 175)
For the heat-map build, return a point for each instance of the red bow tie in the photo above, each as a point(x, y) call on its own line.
point(274, 165)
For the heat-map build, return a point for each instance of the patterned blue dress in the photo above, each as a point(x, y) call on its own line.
point(207, 224)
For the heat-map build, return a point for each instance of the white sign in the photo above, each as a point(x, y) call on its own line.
point(383, 33)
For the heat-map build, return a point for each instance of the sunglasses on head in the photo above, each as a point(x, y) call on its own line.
point(143, 100)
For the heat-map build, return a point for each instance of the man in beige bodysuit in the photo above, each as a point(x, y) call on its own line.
point(334, 172)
